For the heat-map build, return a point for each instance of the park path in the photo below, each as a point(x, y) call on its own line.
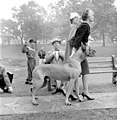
point(23, 105)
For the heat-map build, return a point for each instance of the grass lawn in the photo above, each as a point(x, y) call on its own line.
point(15, 61)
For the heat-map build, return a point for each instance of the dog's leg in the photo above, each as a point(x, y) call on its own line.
point(64, 88)
point(77, 90)
point(38, 83)
point(49, 83)
point(35, 89)
point(69, 90)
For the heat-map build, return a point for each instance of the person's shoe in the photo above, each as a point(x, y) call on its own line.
point(5, 90)
point(30, 82)
point(59, 90)
point(55, 91)
point(73, 98)
point(115, 82)
point(88, 98)
point(27, 82)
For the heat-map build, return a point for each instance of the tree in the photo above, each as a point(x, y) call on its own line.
point(29, 19)
point(32, 21)
point(104, 12)
point(105, 17)
point(9, 31)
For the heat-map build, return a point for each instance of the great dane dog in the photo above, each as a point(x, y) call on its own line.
point(69, 71)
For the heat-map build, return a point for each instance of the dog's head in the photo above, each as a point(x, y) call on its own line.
point(91, 53)
point(87, 50)
point(82, 53)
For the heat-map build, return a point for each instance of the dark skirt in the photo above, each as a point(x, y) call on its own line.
point(85, 67)
point(84, 63)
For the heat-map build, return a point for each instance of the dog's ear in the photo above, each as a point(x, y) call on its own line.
point(10, 75)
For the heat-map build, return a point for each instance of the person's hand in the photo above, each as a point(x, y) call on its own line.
point(31, 48)
point(25, 42)
point(87, 44)
point(60, 53)
point(44, 60)
point(54, 53)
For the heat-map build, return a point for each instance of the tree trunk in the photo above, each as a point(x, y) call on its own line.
point(103, 37)
point(3, 42)
point(9, 42)
point(22, 41)
point(111, 38)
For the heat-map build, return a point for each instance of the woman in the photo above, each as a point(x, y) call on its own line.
point(81, 35)
point(74, 18)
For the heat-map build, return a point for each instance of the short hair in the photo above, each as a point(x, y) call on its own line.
point(85, 15)
point(32, 41)
point(71, 20)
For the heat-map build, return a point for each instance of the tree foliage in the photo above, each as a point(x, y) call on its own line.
point(33, 21)
point(105, 16)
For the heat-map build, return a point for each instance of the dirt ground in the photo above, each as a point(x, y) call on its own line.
point(96, 114)
point(16, 63)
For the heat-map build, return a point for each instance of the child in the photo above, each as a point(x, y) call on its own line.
point(41, 55)
point(30, 51)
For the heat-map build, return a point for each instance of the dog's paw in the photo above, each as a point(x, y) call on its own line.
point(67, 103)
point(35, 104)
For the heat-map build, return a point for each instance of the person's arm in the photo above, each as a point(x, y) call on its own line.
point(73, 52)
point(61, 55)
point(72, 33)
point(44, 53)
point(80, 32)
point(25, 48)
point(49, 57)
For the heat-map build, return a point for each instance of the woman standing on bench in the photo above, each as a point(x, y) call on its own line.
point(81, 35)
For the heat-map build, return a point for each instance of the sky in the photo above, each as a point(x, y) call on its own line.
point(6, 5)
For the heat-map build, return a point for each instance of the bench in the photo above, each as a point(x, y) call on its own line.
point(99, 65)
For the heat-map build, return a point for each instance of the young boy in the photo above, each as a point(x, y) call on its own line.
point(41, 55)
point(31, 56)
